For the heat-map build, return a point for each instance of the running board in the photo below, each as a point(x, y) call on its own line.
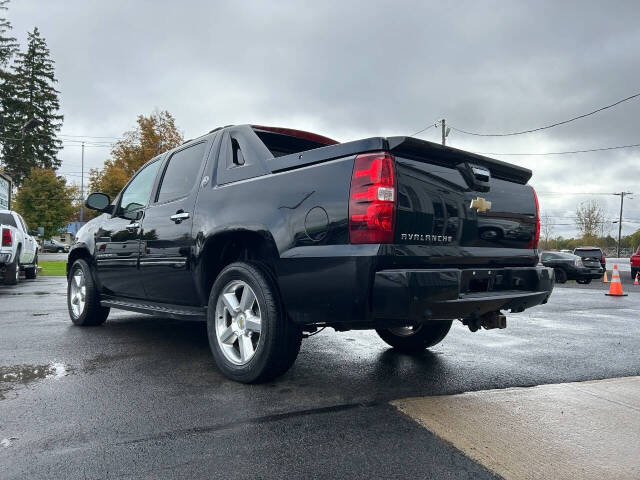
point(178, 312)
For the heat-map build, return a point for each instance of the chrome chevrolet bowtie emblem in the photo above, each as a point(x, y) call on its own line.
point(480, 204)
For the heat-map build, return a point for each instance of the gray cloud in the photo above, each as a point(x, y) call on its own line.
point(354, 69)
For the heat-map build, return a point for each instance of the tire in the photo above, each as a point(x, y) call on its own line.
point(585, 281)
point(12, 272)
point(31, 273)
point(561, 275)
point(241, 351)
point(90, 313)
point(416, 339)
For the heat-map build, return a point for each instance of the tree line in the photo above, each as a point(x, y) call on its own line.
point(30, 120)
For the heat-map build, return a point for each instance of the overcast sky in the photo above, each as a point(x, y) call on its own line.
point(355, 69)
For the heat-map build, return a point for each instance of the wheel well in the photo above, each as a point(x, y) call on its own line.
point(75, 255)
point(227, 248)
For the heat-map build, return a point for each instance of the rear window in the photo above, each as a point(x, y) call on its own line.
point(7, 219)
point(596, 253)
point(282, 141)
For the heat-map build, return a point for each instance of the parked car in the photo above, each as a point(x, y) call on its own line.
point(635, 263)
point(52, 245)
point(18, 249)
point(592, 257)
point(270, 234)
point(568, 266)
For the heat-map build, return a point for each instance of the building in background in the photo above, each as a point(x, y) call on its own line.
point(68, 234)
point(5, 191)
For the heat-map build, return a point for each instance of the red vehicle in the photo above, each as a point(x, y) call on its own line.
point(635, 263)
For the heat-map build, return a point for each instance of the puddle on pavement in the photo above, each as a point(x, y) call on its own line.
point(9, 376)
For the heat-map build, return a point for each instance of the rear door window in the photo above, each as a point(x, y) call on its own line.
point(181, 173)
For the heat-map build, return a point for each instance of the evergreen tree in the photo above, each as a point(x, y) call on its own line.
point(31, 94)
point(8, 48)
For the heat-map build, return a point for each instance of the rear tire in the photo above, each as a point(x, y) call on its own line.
point(561, 275)
point(83, 298)
point(31, 273)
point(251, 340)
point(418, 338)
point(585, 281)
point(12, 272)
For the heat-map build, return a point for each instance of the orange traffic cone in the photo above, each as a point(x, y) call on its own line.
point(635, 282)
point(605, 279)
point(615, 288)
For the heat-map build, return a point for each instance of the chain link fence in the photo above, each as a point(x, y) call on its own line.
point(613, 252)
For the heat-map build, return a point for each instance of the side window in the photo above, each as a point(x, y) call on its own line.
point(24, 225)
point(181, 173)
point(137, 193)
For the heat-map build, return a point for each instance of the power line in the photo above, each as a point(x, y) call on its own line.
point(546, 126)
point(434, 125)
point(634, 145)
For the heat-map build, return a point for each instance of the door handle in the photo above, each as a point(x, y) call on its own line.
point(180, 216)
point(132, 227)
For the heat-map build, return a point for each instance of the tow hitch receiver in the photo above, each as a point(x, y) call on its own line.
point(487, 321)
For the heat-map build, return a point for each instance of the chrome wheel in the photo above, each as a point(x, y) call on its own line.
point(78, 292)
point(238, 322)
point(405, 331)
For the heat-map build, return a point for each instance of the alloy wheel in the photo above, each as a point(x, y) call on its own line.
point(78, 292)
point(238, 322)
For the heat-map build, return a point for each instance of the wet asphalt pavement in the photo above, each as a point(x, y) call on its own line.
point(141, 396)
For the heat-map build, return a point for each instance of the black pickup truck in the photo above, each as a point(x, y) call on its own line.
point(270, 234)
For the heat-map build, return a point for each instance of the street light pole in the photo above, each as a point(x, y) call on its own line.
point(621, 194)
point(82, 186)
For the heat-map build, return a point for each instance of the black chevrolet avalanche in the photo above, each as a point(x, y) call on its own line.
point(270, 234)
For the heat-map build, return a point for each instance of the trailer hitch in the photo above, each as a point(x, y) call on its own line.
point(487, 321)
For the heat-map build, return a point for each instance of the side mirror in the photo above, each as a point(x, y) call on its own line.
point(98, 201)
point(33, 233)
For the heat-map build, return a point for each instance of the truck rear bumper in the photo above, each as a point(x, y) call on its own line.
point(417, 296)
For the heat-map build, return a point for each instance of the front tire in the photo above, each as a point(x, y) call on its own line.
point(83, 298)
point(250, 336)
point(417, 338)
point(31, 273)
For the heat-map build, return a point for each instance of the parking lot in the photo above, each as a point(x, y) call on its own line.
point(141, 396)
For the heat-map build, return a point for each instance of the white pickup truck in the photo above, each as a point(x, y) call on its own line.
point(18, 249)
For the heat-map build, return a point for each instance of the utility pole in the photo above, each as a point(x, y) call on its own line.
point(82, 186)
point(443, 124)
point(622, 195)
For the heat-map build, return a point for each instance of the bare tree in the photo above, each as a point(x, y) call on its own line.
point(590, 220)
point(547, 229)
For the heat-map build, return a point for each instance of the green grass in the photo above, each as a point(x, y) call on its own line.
point(53, 268)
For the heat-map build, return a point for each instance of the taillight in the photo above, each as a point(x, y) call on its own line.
point(7, 239)
point(603, 260)
point(372, 199)
point(533, 243)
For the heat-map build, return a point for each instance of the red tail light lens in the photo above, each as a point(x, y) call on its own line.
point(536, 238)
point(7, 239)
point(372, 199)
point(603, 260)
